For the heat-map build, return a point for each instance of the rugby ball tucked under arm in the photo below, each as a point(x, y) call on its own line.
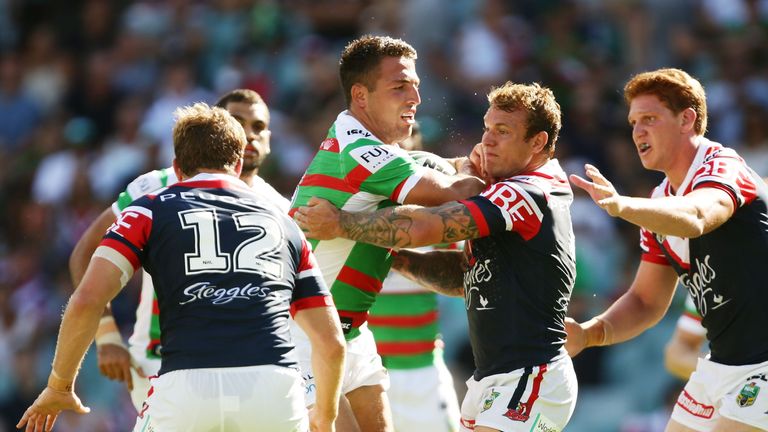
point(433, 161)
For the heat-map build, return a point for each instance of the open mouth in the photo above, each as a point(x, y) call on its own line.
point(409, 117)
point(643, 148)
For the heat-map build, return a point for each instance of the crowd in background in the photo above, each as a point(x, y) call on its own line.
point(88, 88)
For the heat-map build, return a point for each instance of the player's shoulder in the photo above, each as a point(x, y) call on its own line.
point(151, 181)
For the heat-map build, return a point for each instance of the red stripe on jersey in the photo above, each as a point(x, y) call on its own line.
point(359, 280)
point(311, 302)
point(155, 307)
point(693, 316)
point(401, 348)
point(396, 191)
point(477, 215)
point(330, 145)
point(403, 320)
point(326, 181)
point(308, 260)
point(123, 250)
point(357, 176)
point(357, 318)
point(469, 424)
point(722, 187)
point(656, 259)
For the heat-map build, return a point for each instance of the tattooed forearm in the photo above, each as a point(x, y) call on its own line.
point(440, 271)
point(411, 226)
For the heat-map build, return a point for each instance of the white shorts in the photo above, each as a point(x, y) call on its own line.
point(541, 398)
point(739, 393)
point(141, 385)
point(423, 399)
point(363, 366)
point(255, 398)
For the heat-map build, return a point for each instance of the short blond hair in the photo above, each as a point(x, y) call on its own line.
point(207, 137)
point(675, 88)
point(537, 101)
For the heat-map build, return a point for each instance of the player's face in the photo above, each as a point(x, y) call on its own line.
point(391, 106)
point(255, 121)
point(655, 131)
point(506, 152)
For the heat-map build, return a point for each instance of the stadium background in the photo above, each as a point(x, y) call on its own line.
point(87, 89)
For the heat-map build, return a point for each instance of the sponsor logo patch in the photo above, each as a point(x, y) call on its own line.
point(543, 424)
point(489, 402)
point(747, 395)
point(346, 324)
point(518, 414)
point(373, 158)
point(696, 408)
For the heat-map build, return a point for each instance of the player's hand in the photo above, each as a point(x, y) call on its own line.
point(576, 339)
point(599, 189)
point(43, 413)
point(319, 219)
point(473, 164)
point(115, 363)
point(319, 422)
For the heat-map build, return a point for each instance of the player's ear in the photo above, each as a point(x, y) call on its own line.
point(687, 119)
point(239, 167)
point(359, 95)
point(177, 170)
point(540, 141)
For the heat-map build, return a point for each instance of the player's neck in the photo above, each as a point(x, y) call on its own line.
point(247, 176)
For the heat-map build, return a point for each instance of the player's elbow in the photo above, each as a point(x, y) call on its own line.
point(331, 346)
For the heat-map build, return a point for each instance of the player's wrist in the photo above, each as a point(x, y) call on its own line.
point(58, 383)
point(108, 332)
point(598, 332)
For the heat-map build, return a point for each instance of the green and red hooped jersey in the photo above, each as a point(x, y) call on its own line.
point(404, 322)
point(144, 342)
point(355, 171)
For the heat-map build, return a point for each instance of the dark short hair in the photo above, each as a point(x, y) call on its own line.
point(240, 95)
point(540, 104)
point(206, 138)
point(675, 88)
point(361, 58)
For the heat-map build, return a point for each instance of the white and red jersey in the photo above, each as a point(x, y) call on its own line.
point(227, 267)
point(522, 271)
point(724, 270)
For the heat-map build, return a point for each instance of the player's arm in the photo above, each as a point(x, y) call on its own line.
point(441, 271)
point(101, 283)
point(682, 352)
point(642, 306)
point(322, 326)
point(692, 215)
point(398, 227)
point(113, 358)
point(435, 188)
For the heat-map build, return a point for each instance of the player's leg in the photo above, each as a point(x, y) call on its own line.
point(371, 408)
point(366, 383)
point(346, 421)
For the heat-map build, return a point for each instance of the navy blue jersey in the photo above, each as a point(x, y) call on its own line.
point(724, 270)
point(521, 271)
point(228, 267)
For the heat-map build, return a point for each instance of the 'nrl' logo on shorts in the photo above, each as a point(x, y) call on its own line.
point(747, 395)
